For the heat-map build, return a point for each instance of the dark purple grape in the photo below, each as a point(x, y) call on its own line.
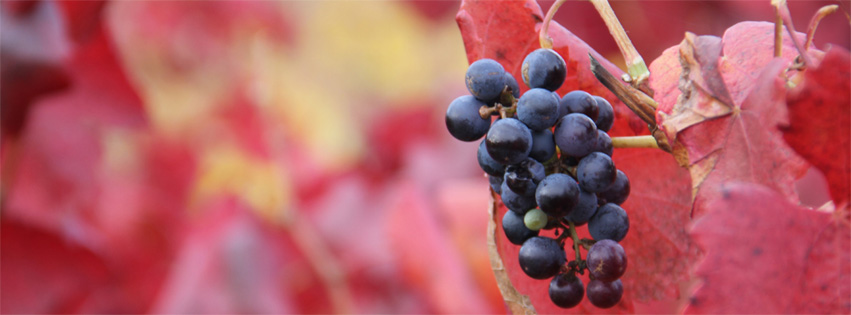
point(557, 194)
point(516, 202)
point(596, 172)
point(538, 109)
point(569, 160)
point(485, 79)
point(543, 68)
point(463, 119)
point(609, 223)
point(584, 209)
point(543, 145)
point(607, 114)
point(523, 177)
point(575, 135)
point(606, 260)
point(509, 141)
point(579, 102)
point(496, 183)
point(514, 228)
point(604, 143)
point(605, 294)
point(618, 192)
point(511, 83)
point(541, 257)
point(566, 290)
point(487, 163)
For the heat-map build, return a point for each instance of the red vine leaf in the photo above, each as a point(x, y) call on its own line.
point(40, 268)
point(774, 256)
point(658, 247)
point(820, 126)
point(35, 50)
point(723, 99)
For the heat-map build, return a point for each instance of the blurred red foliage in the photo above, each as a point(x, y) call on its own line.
point(124, 196)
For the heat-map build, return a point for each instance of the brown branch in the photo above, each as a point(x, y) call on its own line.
point(641, 104)
point(517, 303)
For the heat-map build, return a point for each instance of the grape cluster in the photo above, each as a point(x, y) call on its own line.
point(550, 159)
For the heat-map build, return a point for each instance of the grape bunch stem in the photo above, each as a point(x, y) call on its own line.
point(635, 142)
point(575, 240)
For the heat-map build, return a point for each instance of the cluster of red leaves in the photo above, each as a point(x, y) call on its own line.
point(724, 106)
point(722, 103)
point(81, 235)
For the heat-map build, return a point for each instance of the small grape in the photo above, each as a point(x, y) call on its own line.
point(606, 117)
point(610, 222)
point(516, 202)
point(538, 109)
point(557, 194)
point(487, 163)
point(566, 290)
point(606, 260)
point(543, 145)
point(523, 178)
point(579, 102)
point(569, 160)
point(596, 172)
point(543, 68)
point(618, 192)
point(604, 143)
point(541, 257)
point(463, 119)
point(511, 83)
point(515, 229)
point(509, 141)
point(605, 294)
point(496, 183)
point(575, 135)
point(584, 209)
point(535, 219)
point(485, 79)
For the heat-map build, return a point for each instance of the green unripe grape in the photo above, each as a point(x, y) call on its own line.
point(535, 219)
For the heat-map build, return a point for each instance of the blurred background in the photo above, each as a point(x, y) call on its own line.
point(262, 156)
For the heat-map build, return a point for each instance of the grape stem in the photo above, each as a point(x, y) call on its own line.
point(543, 35)
point(635, 65)
point(778, 33)
point(575, 240)
point(814, 22)
point(635, 142)
point(786, 16)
